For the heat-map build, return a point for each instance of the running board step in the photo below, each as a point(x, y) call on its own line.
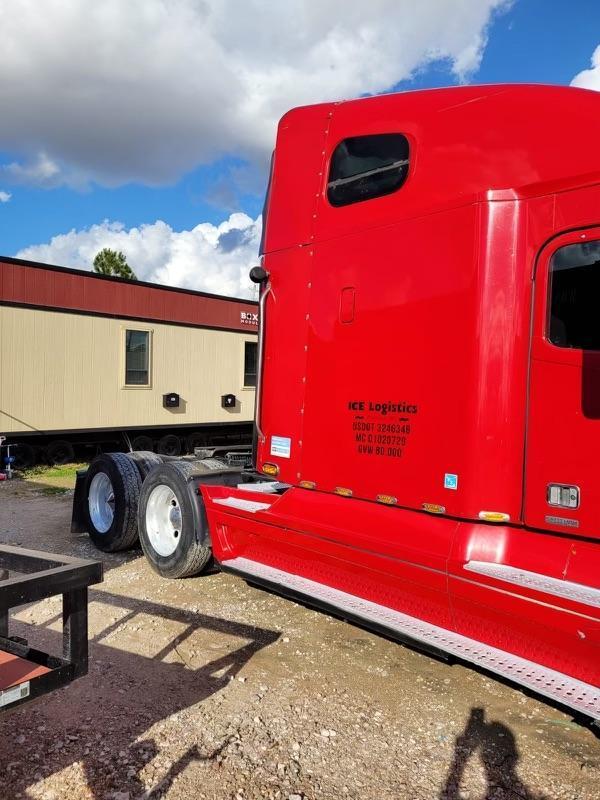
point(562, 689)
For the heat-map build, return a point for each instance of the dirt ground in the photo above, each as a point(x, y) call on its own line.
point(209, 688)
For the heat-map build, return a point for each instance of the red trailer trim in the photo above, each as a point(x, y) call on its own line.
point(42, 286)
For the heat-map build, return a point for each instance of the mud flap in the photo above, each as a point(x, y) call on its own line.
point(78, 523)
point(224, 477)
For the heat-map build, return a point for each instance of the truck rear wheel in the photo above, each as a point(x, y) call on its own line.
point(142, 443)
point(169, 445)
point(172, 531)
point(112, 493)
point(24, 456)
point(60, 452)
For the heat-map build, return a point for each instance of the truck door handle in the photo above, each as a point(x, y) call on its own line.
point(347, 297)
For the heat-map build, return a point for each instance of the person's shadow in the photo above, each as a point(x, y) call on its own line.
point(497, 748)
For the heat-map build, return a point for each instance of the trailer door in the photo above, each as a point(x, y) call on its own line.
point(562, 480)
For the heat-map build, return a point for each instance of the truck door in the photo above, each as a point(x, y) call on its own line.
point(562, 475)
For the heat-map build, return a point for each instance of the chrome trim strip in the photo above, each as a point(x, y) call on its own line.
point(259, 367)
point(540, 583)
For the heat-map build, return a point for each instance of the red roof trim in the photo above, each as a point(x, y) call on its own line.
point(50, 287)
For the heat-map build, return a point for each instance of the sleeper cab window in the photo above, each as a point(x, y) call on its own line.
point(250, 360)
point(574, 291)
point(137, 357)
point(365, 167)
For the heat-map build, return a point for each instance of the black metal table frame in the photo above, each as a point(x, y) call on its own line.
point(45, 575)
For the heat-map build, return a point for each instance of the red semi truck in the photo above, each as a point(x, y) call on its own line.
point(429, 404)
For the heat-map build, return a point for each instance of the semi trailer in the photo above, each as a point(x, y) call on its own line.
point(427, 420)
point(92, 363)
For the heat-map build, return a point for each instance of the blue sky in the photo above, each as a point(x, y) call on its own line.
point(547, 41)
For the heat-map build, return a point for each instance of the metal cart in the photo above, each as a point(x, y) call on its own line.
point(25, 577)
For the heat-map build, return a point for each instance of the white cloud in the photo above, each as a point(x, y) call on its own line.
point(5, 197)
point(146, 90)
point(589, 78)
point(39, 171)
point(211, 258)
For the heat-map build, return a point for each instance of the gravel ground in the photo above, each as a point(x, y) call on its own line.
point(210, 688)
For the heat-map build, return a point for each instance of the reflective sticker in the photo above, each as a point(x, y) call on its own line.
point(281, 446)
point(13, 694)
point(450, 481)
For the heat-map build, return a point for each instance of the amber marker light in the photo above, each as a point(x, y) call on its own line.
point(341, 490)
point(433, 508)
point(387, 499)
point(494, 516)
point(270, 469)
point(307, 485)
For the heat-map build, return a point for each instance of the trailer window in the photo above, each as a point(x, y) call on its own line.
point(137, 358)
point(250, 353)
point(575, 296)
point(365, 167)
point(250, 360)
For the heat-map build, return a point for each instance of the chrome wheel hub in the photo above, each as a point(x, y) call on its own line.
point(163, 520)
point(101, 502)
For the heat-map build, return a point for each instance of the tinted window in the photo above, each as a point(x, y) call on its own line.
point(250, 351)
point(575, 296)
point(137, 358)
point(364, 167)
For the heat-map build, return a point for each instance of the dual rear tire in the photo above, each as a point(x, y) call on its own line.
point(112, 492)
point(172, 523)
point(133, 495)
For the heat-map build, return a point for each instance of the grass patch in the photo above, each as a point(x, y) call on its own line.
point(40, 472)
point(49, 491)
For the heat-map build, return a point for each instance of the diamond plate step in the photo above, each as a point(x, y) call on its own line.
point(580, 696)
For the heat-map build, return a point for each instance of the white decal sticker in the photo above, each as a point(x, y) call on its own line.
point(281, 446)
point(13, 694)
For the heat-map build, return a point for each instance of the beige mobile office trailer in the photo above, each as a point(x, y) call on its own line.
point(91, 360)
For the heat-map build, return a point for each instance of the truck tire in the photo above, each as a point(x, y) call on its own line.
point(24, 456)
point(195, 440)
point(60, 452)
point(144, 461)
point(112, 493)
point(142, 442)
point(172, 521)
point(169, 445)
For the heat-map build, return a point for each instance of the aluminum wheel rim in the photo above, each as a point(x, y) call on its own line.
point(163, 520)
point(101, 502)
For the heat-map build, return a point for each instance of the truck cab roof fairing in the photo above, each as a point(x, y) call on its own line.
point(465, 142)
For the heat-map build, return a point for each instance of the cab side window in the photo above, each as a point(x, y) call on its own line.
point(574, 319)
point(365, 167)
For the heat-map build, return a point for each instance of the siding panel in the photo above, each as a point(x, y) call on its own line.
point(61, 371)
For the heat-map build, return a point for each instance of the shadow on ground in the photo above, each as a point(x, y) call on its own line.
point(496, 745)
point(98, 721)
